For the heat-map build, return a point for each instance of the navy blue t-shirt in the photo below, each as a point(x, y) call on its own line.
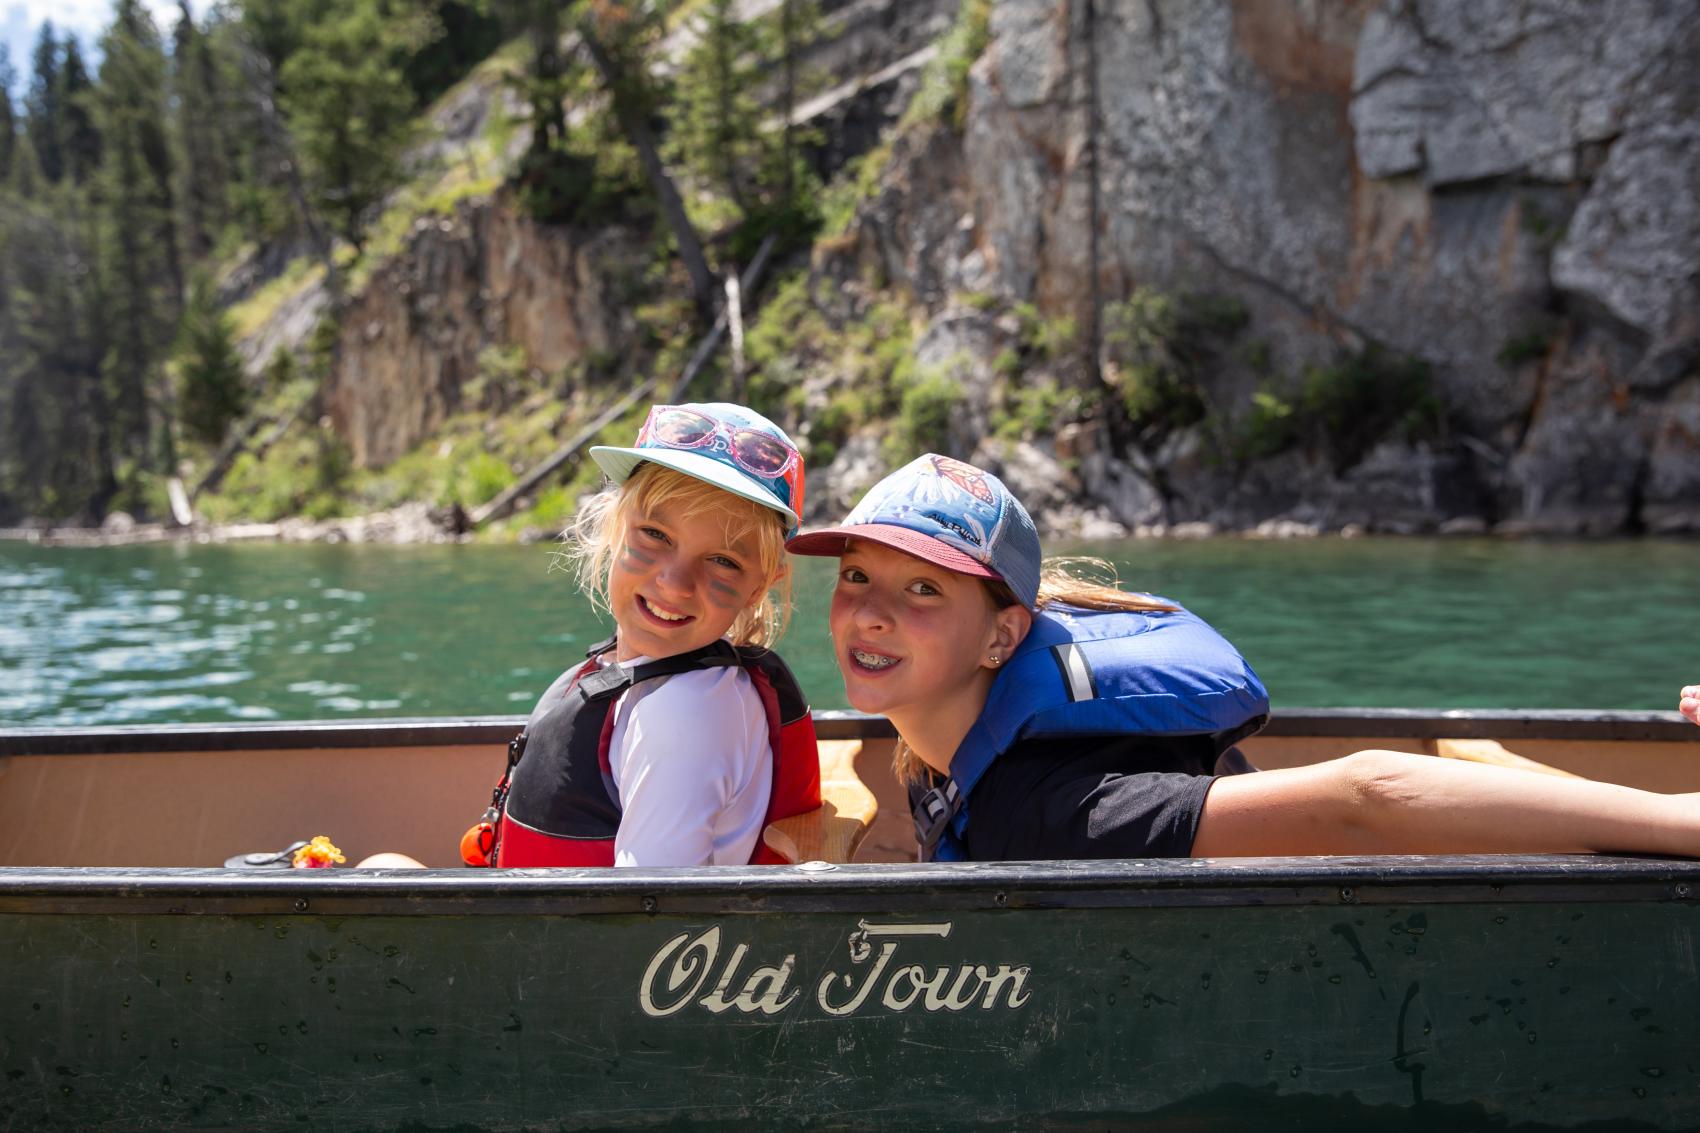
point(1094, 797)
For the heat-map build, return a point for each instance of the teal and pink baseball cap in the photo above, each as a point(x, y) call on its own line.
point(948, 513)
point(726, 445)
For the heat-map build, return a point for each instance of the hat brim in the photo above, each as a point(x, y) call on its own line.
point(831, 542)
point(620, 463)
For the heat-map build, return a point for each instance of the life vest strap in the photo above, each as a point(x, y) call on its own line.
point(615, 677)
point(933, 814)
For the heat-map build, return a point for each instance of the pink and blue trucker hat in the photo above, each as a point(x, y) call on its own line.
point(949, 513)
point(722, 444)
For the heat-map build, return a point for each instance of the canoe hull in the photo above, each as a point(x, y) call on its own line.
point(1481, 991)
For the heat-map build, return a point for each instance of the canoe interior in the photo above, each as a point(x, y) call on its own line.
point(1327, 993)
point(196, 796)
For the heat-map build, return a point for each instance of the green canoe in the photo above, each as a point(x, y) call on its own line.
point(1478, 992)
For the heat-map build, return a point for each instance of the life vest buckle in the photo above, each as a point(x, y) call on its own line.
point(933, 814)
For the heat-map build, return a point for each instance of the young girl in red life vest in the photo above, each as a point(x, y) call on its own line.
point(944, 617)
point(681, 737)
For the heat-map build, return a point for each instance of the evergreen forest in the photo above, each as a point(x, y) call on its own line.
point(143, 198)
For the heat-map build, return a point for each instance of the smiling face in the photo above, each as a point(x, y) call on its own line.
point(916, 643)
point(681, 576)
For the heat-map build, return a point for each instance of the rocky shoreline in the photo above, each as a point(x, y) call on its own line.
point(421, 524)
point(410, 523)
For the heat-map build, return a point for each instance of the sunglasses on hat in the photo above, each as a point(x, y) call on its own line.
point(759, 453)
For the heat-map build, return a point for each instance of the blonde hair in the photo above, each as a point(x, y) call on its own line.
point(1066, 580)
point(602, 523)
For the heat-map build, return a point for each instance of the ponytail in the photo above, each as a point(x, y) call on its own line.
point(1069, 580)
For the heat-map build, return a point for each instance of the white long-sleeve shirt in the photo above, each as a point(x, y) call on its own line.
point(693, 766)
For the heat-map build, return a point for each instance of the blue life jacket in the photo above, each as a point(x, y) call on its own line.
point(1092, 673)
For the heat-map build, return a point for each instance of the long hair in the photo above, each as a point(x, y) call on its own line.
point(1065, 579)
point(1069, 580)
point(602, 523)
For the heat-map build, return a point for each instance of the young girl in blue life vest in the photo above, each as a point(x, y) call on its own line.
point(1058, 718)
point(679, 739)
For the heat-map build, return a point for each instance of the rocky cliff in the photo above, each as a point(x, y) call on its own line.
point(1402, 265)
point(487, 276)
point(1500, 196)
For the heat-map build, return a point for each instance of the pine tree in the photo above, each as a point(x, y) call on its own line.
point(722, 128)
point(24, 179)
point(8, 117)
point(203, 179)
point(350, 109)
point(211, 391)
point(79, 139)
point(544, 86)
point(46, 122)
point(462, 34)
point(717, 128)
point(617, 35)
point(55, 451)
point(140, 269)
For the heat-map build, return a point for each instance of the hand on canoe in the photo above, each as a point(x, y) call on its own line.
point(1689, 705)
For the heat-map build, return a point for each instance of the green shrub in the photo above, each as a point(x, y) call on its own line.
point(307, 473)
point(212, 389)
point(1049, 338)
point(1256, 355)
point(1154, 361)
point(1368, 396)
point(1029, 409)
point(481, 478)
point(1531, 343)
point(504, 375)
point(1269, 428)
point(831, 427)
point(1162, 345)
point(928, 401)
point(321, 346)
point(943, 92)
point(786, 320)
point(858, 181)
point(550, 511)
point(142, 493)
point(1344, 409)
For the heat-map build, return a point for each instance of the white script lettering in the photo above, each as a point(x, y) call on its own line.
point(685, 965)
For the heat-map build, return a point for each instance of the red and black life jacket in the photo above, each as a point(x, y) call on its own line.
point(557, 804)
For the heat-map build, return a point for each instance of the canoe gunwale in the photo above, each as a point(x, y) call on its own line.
point(1389, 723)
point(860, 889)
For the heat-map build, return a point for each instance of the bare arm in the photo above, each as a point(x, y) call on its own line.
point(1387, 802)
point(1688, 703)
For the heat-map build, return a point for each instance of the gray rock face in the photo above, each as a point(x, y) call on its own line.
point(1508, 191)
point(1673, 465)
point(486, 276)
point(1633, 245)
point(1602, 95)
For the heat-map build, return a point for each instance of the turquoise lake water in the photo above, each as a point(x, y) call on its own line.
point(168, 633)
